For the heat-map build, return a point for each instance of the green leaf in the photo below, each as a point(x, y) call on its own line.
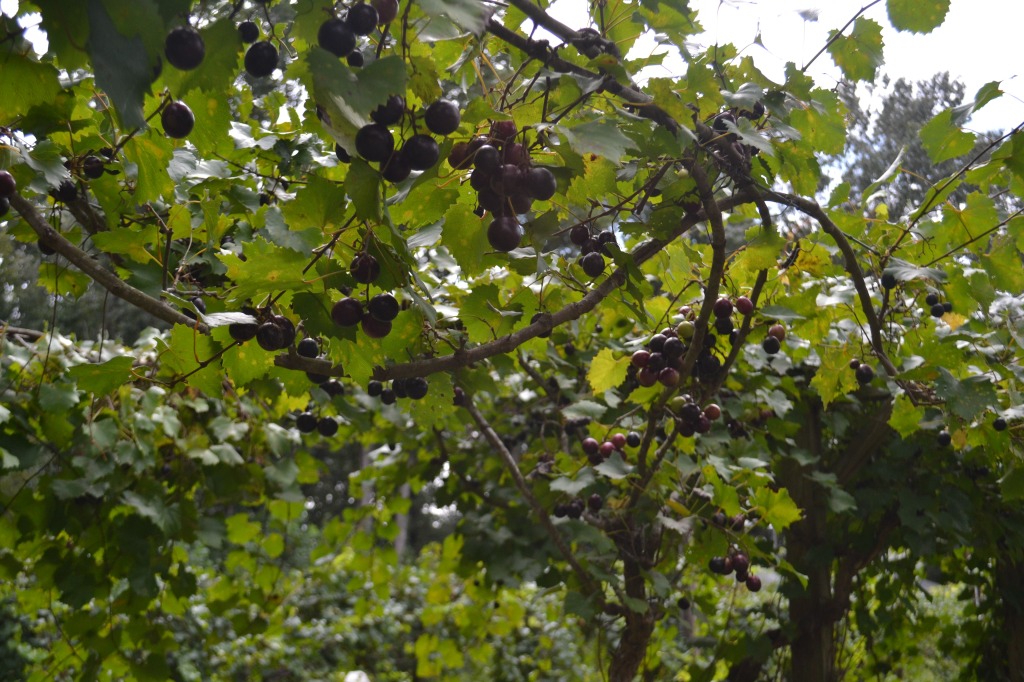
point(273, 545)
point(1012, 484)
point(762, 250)
point(465, 236)
point(577, 604)
point(968, 398)
point(45, 158)
point(614, 467)
point(363, 186)
point(348, 96)
point(34, 83)
point(266, 269)
point(185, 352)
point(121, 64)
point(101, 379)
point(471, 15)
point(67, 31)
point(241, 530)
point(165, 518)
point(944, 140)
point(906, 272)
point(151, 155)
point(917, 16)
point(603, 138)
point(606, 372)
point(57, 398)
point(584, 408)
point(821, 123)
point(213, 118)
point(574, 486)
point(860, 54)
point(320, 203)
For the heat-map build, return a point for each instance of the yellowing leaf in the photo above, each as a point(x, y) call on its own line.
point(906, 417)
point(834, 377)
point(606, 372)
point(777, 508)
point(954, 320)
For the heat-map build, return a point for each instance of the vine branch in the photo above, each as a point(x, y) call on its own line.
point(101, 276)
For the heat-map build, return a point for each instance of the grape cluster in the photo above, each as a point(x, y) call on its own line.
point(275, 332)
point(864, 372)
point(375, 142)
point(692, 418)
point(593, 249)
point(598, 452)
point(415, 389)
point(307, 422)
point(936, 307)
point(504, 179)
point(572, 509)
point(376, 316)
point(740, 563)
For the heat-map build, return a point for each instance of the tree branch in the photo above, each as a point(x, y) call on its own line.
point(509, 461)
point(813, 210)
point(101, 276)
point(539, 50)
point(588, 45)
point(31, 334)
point(572, 311)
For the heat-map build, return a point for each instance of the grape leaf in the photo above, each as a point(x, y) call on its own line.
point(917, 16)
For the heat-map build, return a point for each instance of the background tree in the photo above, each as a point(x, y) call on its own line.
point(416, 245)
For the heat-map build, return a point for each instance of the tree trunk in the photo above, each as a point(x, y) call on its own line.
point(632, 647)
point(811, 611)
point(1010, 587)
point(629, 653)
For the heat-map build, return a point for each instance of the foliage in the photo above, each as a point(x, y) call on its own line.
point(813, 408)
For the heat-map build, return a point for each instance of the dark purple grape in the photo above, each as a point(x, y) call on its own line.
point(540, 183)
point(177, 120)
point(184, 48)
point(487, 159)
point(374, 142)
point(383, 307)
point(421, 152)
point(592, 264)
point(364, 268)
point(347, 312)
point(336, 37)
point(249, 32)
point(308, 348)
point(396, 169)
point(390, 112)
point(375, 328)
point(504, 233)
point(261, 59)
point(442, 117)
point(362, 19)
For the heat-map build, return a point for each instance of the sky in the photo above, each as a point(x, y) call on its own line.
point(977, 43)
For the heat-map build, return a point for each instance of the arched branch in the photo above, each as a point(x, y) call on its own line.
point(106, 279)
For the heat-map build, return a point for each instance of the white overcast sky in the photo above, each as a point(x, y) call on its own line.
point(980, 41)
